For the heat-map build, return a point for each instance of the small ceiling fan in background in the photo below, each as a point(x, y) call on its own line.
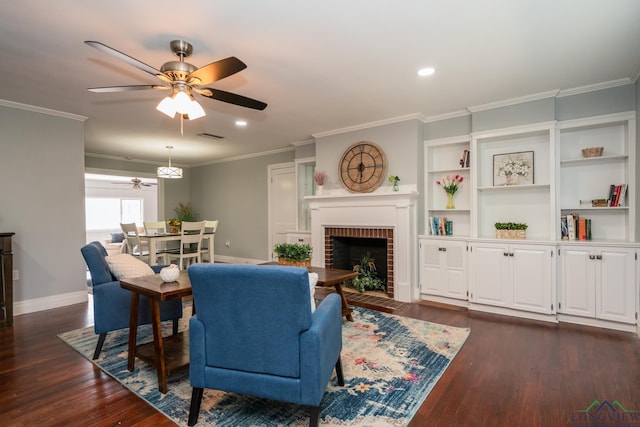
point(136, 183)
point(184, 80)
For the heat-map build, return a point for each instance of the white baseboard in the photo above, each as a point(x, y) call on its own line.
point(46, 303)
point(237, 260)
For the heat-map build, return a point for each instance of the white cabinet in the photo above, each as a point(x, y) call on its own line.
point(598, 282)
point(443, 268)
point(513, 275)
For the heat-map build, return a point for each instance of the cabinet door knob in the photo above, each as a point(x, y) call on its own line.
point(598, 256)
point(510, 253)
point(592, 257)
point(506, 254)
point(444, 249)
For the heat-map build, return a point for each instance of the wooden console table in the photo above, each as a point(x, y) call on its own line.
point(6, 279)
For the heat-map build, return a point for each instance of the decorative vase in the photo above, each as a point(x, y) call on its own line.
point(174, 229)
point(395, 186)
point(450, 204)
point(513, 179)
point(319, 190)
point(170, 274)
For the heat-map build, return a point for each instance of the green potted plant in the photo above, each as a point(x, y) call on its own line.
point(296, 254)
point(511, 230)
point(367, 279)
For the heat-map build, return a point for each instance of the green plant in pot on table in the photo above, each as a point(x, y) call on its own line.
point(296, 254)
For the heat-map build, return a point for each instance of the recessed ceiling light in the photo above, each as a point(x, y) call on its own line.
point(423, 72)
point(241, 123)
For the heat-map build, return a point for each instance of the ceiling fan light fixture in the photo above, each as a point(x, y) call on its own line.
point(195, 110)
point(182, 102)
point(169, 171)
point(167, 106)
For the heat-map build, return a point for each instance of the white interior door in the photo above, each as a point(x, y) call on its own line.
point(282, 203)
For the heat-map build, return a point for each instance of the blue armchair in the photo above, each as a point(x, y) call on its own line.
point(111, 303)
point(254, 333)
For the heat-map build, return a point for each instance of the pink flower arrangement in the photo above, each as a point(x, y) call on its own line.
point(450, 183)
point(319, 177)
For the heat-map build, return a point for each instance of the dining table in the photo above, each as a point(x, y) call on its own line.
point(155, 238)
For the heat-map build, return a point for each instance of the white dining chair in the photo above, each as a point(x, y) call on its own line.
point(209, 227)
point(156, 228)
point(135, 246)
point(190, 243)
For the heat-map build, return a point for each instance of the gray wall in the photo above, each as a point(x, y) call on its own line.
point(399, 141)
point(42, 200)
point(235, 193)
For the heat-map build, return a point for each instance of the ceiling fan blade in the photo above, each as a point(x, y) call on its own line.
point(216, 71)
point(124, 57)
point(126, 88)
point(232, 98)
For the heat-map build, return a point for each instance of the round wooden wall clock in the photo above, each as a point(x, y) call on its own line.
point(363, 167)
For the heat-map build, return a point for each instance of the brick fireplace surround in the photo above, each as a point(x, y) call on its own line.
point(383, 213)
point(372, 233)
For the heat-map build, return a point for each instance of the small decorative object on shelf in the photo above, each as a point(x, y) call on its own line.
point(511, 230)
point(450, 185)
point(294, 254)
point(319, 177)
point(394, 179)
point(513, 168)
point(592, 152)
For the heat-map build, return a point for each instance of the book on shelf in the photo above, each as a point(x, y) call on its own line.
point(571, 226)
point(438, 226)
point(599, 203)
point(575, 227)
point(582, 228)
point(617, 195)
point(564, 232)
point(464, 160)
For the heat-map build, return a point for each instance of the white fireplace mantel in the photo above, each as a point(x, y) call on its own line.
point(384, 209)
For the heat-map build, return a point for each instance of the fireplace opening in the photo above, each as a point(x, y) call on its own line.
point(344, 247)
point(349, 251)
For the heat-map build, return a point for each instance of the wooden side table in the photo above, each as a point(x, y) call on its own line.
point(334, 277)
point(168, 354)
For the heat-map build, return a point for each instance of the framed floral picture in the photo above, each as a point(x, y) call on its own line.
point(513, 168)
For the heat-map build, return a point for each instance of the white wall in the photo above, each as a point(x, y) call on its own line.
point(42, 201)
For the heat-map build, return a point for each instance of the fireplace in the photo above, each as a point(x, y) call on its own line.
point(343, 246)
point(387, 215)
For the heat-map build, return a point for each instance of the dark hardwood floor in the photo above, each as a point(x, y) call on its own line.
point(510, 372)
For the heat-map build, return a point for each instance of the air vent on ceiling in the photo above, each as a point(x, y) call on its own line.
point(210, 135)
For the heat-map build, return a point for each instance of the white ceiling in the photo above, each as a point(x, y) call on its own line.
point(320, 65)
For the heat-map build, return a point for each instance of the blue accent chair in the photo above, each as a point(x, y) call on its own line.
point(112, 304)
point(254, 333)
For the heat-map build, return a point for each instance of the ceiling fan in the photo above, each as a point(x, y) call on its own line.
point(184, 80)
point(136, 183)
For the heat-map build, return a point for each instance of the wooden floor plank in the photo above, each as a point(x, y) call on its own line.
point(510, 372)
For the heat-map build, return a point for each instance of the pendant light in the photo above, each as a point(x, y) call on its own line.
point(169, 171)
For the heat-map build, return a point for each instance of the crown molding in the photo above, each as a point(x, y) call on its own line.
point(446, 116)
point(514, 101)
point(597, 86)
point(131, 159)
point(305, 142)
point(415, 116)
point(246, 156)
point(41, 110)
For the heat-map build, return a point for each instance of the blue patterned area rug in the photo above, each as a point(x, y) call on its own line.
point(390, 365)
